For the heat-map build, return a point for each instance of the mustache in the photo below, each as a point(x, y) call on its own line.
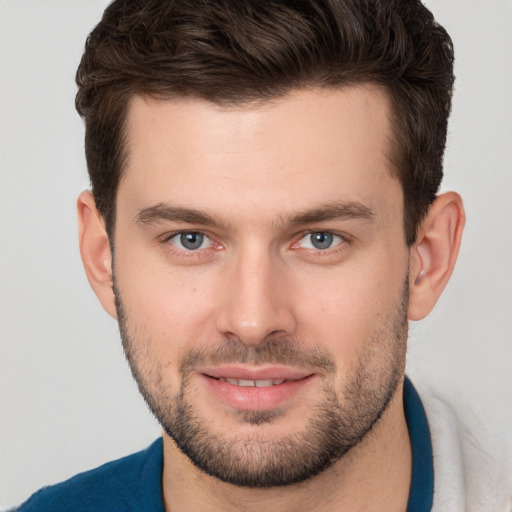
point(283, 351)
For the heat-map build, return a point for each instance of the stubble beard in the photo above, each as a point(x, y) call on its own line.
point(338, 421)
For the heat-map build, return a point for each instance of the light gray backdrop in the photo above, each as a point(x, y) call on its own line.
point(67, 400)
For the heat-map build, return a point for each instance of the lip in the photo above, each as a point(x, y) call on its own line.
point(255, 372)
point(255, 398)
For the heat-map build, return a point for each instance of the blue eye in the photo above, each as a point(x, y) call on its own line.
point(320, 240)
point(190, 241)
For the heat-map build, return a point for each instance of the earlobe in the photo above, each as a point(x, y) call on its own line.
point(95, 251)
point(434, 254)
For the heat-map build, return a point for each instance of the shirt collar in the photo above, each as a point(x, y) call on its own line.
point(422, 479)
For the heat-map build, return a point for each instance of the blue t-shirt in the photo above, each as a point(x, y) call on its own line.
point(130, 484)
point(421, 493)
point(133, 483)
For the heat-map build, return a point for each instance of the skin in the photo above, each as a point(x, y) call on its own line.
point(254, 169)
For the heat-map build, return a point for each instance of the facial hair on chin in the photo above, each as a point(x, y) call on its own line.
point(338, 420)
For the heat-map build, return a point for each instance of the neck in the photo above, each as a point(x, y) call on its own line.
point(374, 475)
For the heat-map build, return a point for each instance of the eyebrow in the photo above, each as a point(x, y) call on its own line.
point(336, 211)
point(165, 212)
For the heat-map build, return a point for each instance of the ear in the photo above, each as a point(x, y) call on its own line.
point(95, 251)
point(434, 254)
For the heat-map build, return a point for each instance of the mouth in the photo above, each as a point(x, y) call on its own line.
point(246, 388)
point(246, 383)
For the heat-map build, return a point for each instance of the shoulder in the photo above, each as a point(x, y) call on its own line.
point(466, 476)
point(128, 484)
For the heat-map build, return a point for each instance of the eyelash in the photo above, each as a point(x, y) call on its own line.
point(190, 252)
point(341, 239)
point(339, 247)
point(336, 250)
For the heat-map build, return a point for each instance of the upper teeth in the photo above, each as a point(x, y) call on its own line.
point(252, 383)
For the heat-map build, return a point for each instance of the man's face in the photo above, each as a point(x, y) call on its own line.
point(261, 277)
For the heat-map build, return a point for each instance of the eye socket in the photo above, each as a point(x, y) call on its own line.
point(320, 240)
point(190, 241)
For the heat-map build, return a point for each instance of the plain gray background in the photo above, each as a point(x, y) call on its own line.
point(67, 400)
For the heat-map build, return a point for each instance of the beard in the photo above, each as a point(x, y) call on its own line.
point(338, 420)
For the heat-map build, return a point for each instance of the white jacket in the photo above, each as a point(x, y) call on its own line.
point(466, 478)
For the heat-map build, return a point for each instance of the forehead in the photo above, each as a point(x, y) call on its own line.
point(272, 158)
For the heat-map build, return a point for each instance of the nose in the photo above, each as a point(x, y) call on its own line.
point(256, 302)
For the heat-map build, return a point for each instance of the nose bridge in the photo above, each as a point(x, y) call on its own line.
point(256, 303)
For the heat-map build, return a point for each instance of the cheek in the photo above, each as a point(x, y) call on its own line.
point(168, 311)
point(168, 308)
point(348, 310)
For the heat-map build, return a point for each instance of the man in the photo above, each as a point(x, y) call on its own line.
point(263, 221)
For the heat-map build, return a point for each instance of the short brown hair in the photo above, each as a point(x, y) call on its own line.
point(237, 51)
